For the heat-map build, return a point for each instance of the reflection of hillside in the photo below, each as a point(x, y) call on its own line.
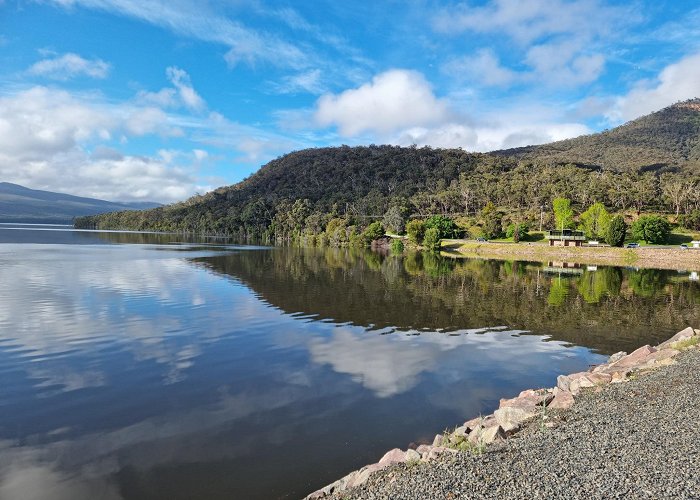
point(608, 309)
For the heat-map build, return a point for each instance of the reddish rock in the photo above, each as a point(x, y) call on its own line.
point(511, 418)
point(393, 457)
point(492, 434)
point(424, 448)
point(563, 400)
point(680, 336)
point(527, 399)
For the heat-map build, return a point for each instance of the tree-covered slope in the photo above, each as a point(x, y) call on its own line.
point(651, 162)
point(666, 139)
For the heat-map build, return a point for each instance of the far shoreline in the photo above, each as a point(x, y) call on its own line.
point(642, 257)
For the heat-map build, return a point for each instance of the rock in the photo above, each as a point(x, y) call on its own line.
point(564, 381)
point(658, 357)
point(412, 456)
point(527, 399)
point(423, 448)
point(599, 378)
point(438, 450)
point(461, 431)
point(563, 400)
point(628, 363)
point(392, 457)
point(364, 473)
point(492, 434)
point(680, 336)
point(438, 440)
point(617, 357)
point(511, 418)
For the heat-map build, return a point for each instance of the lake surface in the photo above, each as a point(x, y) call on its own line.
point(137, 366)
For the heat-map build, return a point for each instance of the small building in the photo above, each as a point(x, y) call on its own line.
point(565, 238)
point(696, 244)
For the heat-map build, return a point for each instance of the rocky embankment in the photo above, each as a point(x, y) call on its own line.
point(634, 434)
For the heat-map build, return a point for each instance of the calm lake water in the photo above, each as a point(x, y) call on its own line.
point(143, 367)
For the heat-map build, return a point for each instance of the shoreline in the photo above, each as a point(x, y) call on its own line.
point(643, 257)
point(532, 411)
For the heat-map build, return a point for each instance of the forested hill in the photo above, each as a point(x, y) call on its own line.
point(651, 162)
point(669, 138)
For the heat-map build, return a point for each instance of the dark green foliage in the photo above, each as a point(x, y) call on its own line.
point(517, 231)
point(446, 227)
point(397, 246)
point(415, 230)
point(652, 163)
point(372, 232)
point(652, 229)
point(691, 220)
point(616, 231)
point(431, 240)
point(493, 222)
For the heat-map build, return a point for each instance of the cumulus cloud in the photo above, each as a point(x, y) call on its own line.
point(45, 137)
point(676, 82)
point(393, 100)
point(70, 66)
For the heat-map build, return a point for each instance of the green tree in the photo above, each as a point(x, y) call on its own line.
point(563, 213)
point(431, 240)
point(447, 228)
point(394, 220)
point(372, 232)
point(652, 229)
point(616, 231)
point(595, 221)
point(397, 247)
point(415, 230)
point(493, 221)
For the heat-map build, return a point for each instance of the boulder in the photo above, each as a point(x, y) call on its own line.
point(461, 431)
point(364, 473)
point(511, 418)
point(438, 440)
point(680, 336)
point(392, 457)
point(564, 381)
point(492, 434)
point(617, 357)
point(423, 448)
point(412, 456)
point(563, 400)
point(439, 450)
point(527, 399)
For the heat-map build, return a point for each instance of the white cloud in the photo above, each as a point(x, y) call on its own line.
point(676, 82)
point(45, 136)
point(196, 20)
point(70, 66)
point(181, 80)
point(482, 67)
point(396, 99)
point(564, 64)
point(306, 81)
point(529, 21)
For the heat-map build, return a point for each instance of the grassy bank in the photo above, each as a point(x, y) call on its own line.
point(645, 257)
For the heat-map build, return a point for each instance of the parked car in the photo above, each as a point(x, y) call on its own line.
point(684, 246)
point(632, 245)
point(481, 239)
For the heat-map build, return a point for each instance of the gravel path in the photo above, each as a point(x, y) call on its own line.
point(639, 439)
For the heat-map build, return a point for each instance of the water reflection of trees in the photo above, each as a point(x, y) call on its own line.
point(608, 309)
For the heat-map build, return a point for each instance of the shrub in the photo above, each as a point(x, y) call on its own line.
point(616, 231)
point(446, 227)
point(397, 246)
point(517, 231)
point(415, 230)
point(372, 232)
point(431, 239)
point(652, 229)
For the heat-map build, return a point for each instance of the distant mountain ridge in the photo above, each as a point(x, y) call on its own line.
point(22, 204)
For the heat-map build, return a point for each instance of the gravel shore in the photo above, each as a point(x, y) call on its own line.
point(639, 439)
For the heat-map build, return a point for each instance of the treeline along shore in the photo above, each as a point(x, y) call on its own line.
point(329, 196)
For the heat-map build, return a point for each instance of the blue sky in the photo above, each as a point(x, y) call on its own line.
point(158, 100)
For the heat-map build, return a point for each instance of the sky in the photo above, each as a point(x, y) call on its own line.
point(157, 100)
